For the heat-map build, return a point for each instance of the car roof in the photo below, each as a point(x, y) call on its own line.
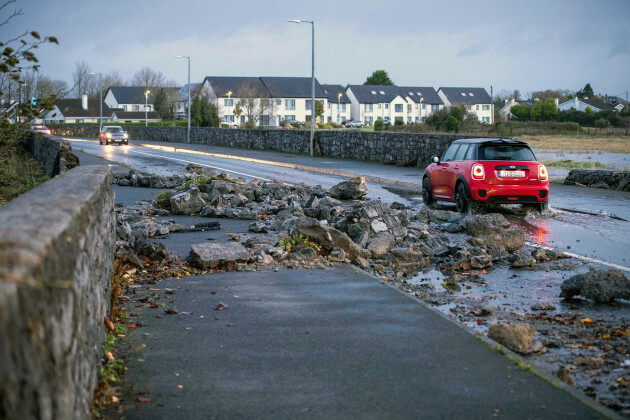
point(489, 140)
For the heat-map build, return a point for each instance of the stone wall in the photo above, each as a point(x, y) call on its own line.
point(54, 154)
point(402, 149)
point(599, 178)
point(56, 256)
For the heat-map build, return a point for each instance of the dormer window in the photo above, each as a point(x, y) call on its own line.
point(373, 92)
point(463, 93)
point(410, 93)
point(419, 93)
point(382, 93)
point(471, 94)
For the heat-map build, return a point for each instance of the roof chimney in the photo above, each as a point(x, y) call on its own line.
point(84, 102)
point(577, 106)
point(557, 101)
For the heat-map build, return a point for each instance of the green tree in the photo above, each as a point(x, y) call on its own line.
point(162, 105)
point(204, 113)
point(536, 111)
point(521, 112)
point(319, 110)
point(549, 108)
point(587, 92)
point(589, 111)
point(452, 124)
point(379, 77)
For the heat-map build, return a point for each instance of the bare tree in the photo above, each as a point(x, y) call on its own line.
point(82, 79)
point(112, 78)
point(255, 103)
point(147, 77)
point(51, 87)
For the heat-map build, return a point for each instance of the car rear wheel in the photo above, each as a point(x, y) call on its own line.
point(427, 194)
point(543, 206)
point(461, 198)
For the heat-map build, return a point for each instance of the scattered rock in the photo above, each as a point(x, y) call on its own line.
point(211, 255)
point(352, 189)
point(602, 286)
point(380, 244)
point(187, 202)
point(516, 337)
point(543, 306)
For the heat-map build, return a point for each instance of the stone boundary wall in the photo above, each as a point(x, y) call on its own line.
point(56, 258)
point(599, 178)
point(401, 149)
point(54, 154)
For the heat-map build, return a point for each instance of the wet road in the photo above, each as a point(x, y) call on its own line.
point(593, 224)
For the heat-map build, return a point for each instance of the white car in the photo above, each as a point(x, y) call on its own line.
point(354, 124)
point(39, 129)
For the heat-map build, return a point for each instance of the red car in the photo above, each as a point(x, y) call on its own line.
point(481, 171)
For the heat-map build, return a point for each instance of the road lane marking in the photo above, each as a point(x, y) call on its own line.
point(581, 257)
point(286, 165)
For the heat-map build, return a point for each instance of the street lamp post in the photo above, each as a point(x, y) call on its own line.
point(100, 88)
point(312, 76)
point(187, 57)
point(229, 94)
point(146, 110)
point(338, 108)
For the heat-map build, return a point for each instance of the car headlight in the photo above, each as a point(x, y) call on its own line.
point(108, 135)
point(126, 136)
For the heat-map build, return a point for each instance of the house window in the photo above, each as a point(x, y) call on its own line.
point(329, 119)
point(289, 105)
point(328, 105)
point(289, 118)
point(136, 107)
point(382, 93)
point(463, 93)
point(398, 108)
point(124, 107)
point(485, 107)
point(369, 108)
point(265, 120)
point(228, 118)
point(378, 106)
point(369, 120)
point(343, 107)
point(242, 119)
point(408, 107)
point(78, 121)
point(278, 101)
point(471, 94)
point(398, 119)
point(373, 92)
point(386, 106)
point(409, 120)
point(417, 119)
point(379, 118)
point(228, 102)
point(486, 120)
point(386, 120)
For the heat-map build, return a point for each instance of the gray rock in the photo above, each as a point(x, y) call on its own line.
point(329, 238)
point(516, 337)
point(258, 227)
point(543, 306)
point(481, 261)
point(602, 286)
point(487, 224)
point(352, 189)
point(187, 202)
point(380, 244)
point(337, 254)
point(520, 260)
point(211, 255)
point(155, 251)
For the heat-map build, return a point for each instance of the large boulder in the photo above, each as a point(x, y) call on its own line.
point(155, 251)
point(329, 238)
point(487, 224)
point(352, 189)
point(187, 202)
point(516, 337)
point(602, 286)
point(211, 255)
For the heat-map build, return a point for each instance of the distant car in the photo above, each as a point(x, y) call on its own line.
point(354, 124)
point(228, 124)
point(39, 129)
point(487, 170)
point(113, 134)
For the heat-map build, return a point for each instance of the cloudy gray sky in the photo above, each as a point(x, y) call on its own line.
point(526, 45)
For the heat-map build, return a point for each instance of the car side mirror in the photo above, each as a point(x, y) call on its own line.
point(435, 159)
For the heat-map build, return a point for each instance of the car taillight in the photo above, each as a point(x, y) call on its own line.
point(542, 173)
point(477, 172)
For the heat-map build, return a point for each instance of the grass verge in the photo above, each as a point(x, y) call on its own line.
point(19, 171)
point(614, 144)
point(571, 164)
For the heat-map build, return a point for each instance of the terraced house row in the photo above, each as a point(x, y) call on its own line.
point(272, 101)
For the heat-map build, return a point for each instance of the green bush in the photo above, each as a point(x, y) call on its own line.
point(399, 122)
point(379, 125)
point(602, 123)
point(452, 124)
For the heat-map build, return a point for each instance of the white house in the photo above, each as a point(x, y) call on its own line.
point(82, 110)
point(408, 104)
point(338, 108)
point(133, 98)
point(581, 104)
point(476, 101)
point(268, 100)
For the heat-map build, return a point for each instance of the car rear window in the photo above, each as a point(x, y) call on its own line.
point(506, 152)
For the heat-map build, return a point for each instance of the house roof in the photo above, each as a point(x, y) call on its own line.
point(222, 84)
point(466, 95)
point(373, 94)
point(137, 115)
point(183, 91)
point(427, 95)
point(292, 87)
point(135, 94)
point(596, 103)
point(333, 92)
point(73, 108)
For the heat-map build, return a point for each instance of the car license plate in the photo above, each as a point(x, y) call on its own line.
point(512, 174)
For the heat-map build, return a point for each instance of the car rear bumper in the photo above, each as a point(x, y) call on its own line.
point(506, 194)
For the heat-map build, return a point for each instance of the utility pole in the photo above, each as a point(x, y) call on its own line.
point(626, 101)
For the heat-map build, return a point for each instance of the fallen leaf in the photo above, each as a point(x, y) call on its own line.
point(143, 400)
point(586, 321)
point(220, 307)
point(109, 324)
point(213, 293)
point(171, 311)
point(153, 305)
point(132, 326)
point(109, 356)
point(114, 399)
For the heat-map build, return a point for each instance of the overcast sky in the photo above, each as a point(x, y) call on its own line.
point(526, 45)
